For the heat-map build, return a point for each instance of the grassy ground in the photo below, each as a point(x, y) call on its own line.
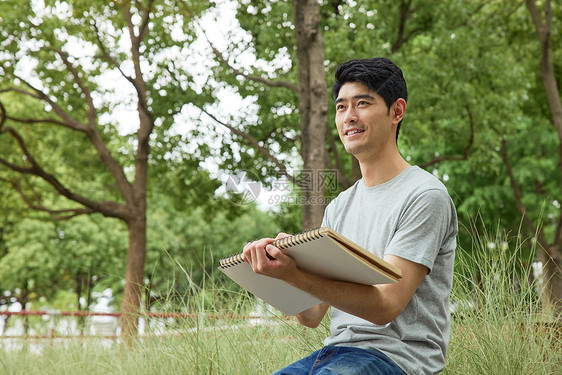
point(208, 346)
point(236, 347)
point(498, 328)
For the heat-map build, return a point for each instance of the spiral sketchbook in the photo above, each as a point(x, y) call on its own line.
point(321, 251)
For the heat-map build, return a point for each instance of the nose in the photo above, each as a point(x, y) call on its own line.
point(350, 116)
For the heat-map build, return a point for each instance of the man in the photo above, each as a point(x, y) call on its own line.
point(397, 211)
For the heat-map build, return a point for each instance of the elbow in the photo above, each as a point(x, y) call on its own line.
point(310, 323)
point(384, 318)
point(313, 316)
point(380, 321)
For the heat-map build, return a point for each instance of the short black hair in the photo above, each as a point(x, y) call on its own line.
point(379, 74)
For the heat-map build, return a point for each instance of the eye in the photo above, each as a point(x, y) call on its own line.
point(362, 103)
point(340, 107)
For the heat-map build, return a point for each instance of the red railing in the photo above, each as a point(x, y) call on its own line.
point(84, 313)
point(158, 315)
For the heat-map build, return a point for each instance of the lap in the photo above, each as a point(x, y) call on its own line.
point(332, 360)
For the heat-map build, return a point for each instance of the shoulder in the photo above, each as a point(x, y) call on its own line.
point(422, 179)
point(419, 184)
point(429, 189)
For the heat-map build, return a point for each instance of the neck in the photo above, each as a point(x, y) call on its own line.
point(380, 170)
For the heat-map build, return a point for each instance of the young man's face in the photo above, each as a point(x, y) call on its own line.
point(365, 125)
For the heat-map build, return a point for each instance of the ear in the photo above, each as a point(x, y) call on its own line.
point(398, 110)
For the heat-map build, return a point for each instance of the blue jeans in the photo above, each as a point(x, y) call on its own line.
point(343, 360)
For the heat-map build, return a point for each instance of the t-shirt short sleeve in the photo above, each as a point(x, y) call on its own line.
point(422, 227)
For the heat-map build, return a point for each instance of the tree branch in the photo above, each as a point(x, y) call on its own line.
point(107, 55)
point(69, 121)
point(122, 181)
point(143, 29)
point(405, 12)
point(137, 81)
point(238, 72)
point(536, 17)
point(255, 143)
point(85, 90)
point(467, 148)
point(91, 132)
point(476, 10)
point(36, 121)
point(113, 209)
point(234, 70)
point(64, 214)
point(252, 77)
point(547, 73)
point(20, 91)
point(146, 118)
point(518, 197)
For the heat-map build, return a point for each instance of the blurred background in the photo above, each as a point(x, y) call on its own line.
point(143, 140)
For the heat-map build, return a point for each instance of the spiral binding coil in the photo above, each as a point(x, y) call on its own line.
point(283, 243)
point(231, 260)
point(298, 239)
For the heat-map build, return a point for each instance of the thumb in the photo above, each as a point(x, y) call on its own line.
point(274, 252)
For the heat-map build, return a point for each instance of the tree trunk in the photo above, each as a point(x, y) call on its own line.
point(552, 279)
point(81, 319)
point(23, 299)
point(136, 220)
point(130, 305)
point(313, 108)
point(552, 257)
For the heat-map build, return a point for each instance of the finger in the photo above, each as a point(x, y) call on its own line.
point(259, 259)
point(272, 252)
point(261, 256)
point(247, 257)
point(276, 253)
point(245, 248)
point(262, 243)
point(282, 235)
point(246, 253)
point(250, 251)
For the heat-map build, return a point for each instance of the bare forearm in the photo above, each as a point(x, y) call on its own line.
point(378, 304)
point(367, 302)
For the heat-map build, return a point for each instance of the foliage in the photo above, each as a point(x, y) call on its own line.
point(44, 257)
point(190, 246)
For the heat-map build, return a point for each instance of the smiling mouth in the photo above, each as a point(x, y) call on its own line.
point(353, 131)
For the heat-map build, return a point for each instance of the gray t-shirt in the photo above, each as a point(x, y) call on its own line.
point(411, 216)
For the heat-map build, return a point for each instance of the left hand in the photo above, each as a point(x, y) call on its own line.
point(277, 264)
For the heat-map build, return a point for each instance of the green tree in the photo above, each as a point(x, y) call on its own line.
point(43, 257)
point(74, 48)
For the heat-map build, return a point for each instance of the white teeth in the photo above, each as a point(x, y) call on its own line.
point(354, 131)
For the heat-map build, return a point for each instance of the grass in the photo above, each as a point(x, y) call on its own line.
point(498, 327)
point(205, 346)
